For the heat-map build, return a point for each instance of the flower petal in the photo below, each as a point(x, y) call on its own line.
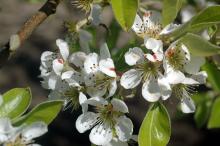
point(64, 48)
point(169, 28)
point(175, 77)
point(119, 105)
point(104, 52)
point(116, 142)
point(91, 63)
point(124, 128)
point(101, 134)
point(58, 65)
point(82, 102)
point(112, 88)
point(187, 13)
point(78, 59)
point(34, 130)
point(134, 56)
point(194, 65)
point(107, 67)
point(165, 88)
point(95, 14)
point(200, 77)
point(151, 90)
point(86, 121)
point(151, 19)
point(131, 78)
point(137, 26)
point(46, 58)
point(154, 45)
point(187, 105)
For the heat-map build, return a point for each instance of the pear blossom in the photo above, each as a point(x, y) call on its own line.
point(154, 84)
point(107, 122)
point(100, 75)
point(22, 135)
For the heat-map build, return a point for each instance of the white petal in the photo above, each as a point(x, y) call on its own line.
point(189, 81)
point(169, 28)
point(67, 75)
point(194, 65)
point(112, 88)
point(175, 77)
point(151, 90)
point(97, 91)
point(124, 128)
point(34, 130)
point(137, 26)
point(154, 45)
point(46, 57)
point(200, 77)
point(165, 88)
point(158, 56)
point(58, 65)
point(78, 59)
point(96, 101)
point(107, 67)
point(64, 48)
point(134, 56)
point(86, 121)
point(119, 105)
point(52, 82)
point(131, 78)
point(82, 102)
point(101, 134)
point(91, 63)
point(186, 52)
point(187, 105)
point(104, 52)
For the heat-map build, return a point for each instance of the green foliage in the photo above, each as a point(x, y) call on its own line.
point(198, 46)
point(170, 10)
point(213, 75)
point(204, 19)
point(45, 112)
point(15, 102)
point(203, 109)
point(214, 121)
point(125, 12)
point(155, 129)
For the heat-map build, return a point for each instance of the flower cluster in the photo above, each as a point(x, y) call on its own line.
point(90, 80)
point(163, 71)
point(21, 135)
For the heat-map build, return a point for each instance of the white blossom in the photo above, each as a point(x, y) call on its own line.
point(107, 120)
point(22, 135)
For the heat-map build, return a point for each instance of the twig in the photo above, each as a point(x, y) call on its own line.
point(26, 30)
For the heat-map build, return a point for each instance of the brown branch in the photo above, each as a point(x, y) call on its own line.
point(29, 26)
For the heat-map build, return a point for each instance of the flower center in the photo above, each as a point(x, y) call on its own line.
point(175, 58)
point(18, 142)
point(72, 98)
point(183, 90)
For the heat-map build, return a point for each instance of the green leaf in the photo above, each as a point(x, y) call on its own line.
point(15, 102)
point(213, 75)
point(203, 108)
point(170, 10)
point(125, 12)
point(214, 120)
point(198, 46)
point(155, 129)
point(204, 19)
point(45, 112)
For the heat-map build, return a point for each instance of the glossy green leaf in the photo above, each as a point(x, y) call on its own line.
point(45, 112)
point(155, 129)
point(204, 19)
point(125, 12)
point(15, 102)
point(170, 10)
point(213, 75)
point(198, 46)
point(214, 120)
